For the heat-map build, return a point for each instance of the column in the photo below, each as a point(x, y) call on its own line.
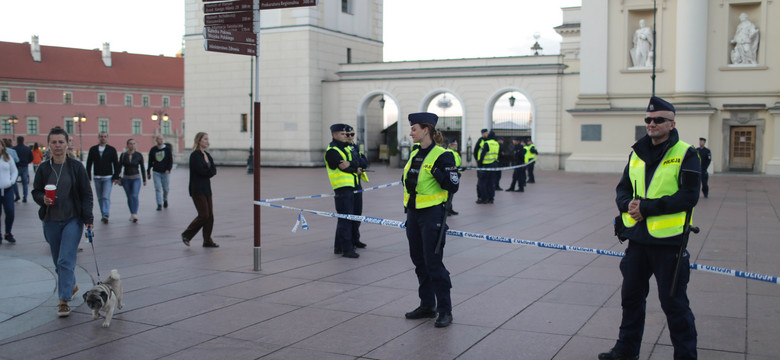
point(690, 51)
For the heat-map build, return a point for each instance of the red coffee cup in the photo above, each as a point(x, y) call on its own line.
point(51, 191)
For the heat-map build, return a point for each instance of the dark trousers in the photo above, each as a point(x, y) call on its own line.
point(530, 168)
point(345, 204)
point(497, 178)
point(486, 183)
point(641, 262)
point(422, 231)
point(7, 204)
point(705, 178)
point(25, 177)
point(518, 177)
point(205, 219)
point(357, 209)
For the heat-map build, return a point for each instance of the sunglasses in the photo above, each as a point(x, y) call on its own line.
point(658, 120)
point(349, 134)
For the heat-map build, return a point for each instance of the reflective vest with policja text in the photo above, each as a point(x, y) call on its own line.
point(338, 178)
point(429, 192)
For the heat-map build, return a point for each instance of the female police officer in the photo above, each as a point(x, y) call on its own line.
point(429, 176)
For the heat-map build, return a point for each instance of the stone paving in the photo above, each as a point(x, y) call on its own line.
point(510, 301)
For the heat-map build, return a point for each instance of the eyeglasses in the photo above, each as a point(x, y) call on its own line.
point(349, 134)
point(657, 120)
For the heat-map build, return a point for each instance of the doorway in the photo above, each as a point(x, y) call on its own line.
point(742, 148)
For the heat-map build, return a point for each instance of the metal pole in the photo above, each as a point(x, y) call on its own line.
point(655, 10)
point(81, 155)
point(256, 136)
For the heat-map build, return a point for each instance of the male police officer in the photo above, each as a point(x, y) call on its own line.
point(706, 158)
point(343, 173)
point(518, 175)
point(361, 162)
point(487, 158)
point(658, 190)
point(530, 154)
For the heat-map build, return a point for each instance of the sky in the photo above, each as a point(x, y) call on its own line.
point(413, 29)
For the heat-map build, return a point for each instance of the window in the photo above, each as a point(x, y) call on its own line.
point(166, 127)
point(166, 101)
point(145, 100)
point(102, 124)
point(5, 95)
point(244, 122)
point(590, 132)
point(182, 101)
point(67, 98)
point(136, 126)
point(639, 132)
point(32, 126)
point(5, 126)
point(31, 96)
point(128, 100)
point(69, 125)
point(346, 6)
point(101, 99)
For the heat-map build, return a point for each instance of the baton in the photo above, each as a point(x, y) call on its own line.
point(443, 230)
point(687, 229)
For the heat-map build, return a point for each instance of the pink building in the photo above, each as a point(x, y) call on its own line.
point(46, 86)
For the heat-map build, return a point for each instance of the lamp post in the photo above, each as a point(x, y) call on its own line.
point(13, 120)
point(161, 116)
point(80, 118)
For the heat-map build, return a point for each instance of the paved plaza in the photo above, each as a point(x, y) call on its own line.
point(510, 301)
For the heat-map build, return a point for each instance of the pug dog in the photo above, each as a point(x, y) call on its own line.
point(105, 296)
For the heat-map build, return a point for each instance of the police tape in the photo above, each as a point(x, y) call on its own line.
point(508, 240)
point(330, 194)
point(500, 168)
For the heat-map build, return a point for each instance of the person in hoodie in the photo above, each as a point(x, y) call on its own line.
point(658, 190)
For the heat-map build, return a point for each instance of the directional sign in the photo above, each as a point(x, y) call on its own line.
point(226, 35)
point(230, 47)
point(247, 27)
point(229, 18)
point(229, 6)
point(280, 4)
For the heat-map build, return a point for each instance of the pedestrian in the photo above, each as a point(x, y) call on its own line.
point(131, 168)
point(530, 155)
point(705, 155)
point(65, 216)
point(103, 158)
point(518, 158)
point(657, 193)
point(202, 169)
point(502, 161)
point(452, 147)
point(344, 172)
point(8, 175)
point(362, 163)
point(9, 148)
point(429, 177)
point(487, 158)
point(37, 156)
point(160, 164)
point(25, 158)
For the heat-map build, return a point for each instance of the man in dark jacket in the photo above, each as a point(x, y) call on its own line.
point(706, 158)
point(161, 163)
point(657, 193)
point(25, 158)
point(518, 175)
point(105, 161)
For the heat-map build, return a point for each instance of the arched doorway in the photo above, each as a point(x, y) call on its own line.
point(512, 115)
point(449, 108)
point(375, 116)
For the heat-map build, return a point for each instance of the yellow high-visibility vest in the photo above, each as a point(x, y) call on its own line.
point(338, 178)
point(429, 192)
point(492, 154)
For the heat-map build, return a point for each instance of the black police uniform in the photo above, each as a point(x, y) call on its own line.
point(706, 158)
point(530, 167)
point(422, 230)
point(518, 175)
point(345, 200)
point(649, 256)
point(360, 161)
point(486, 180)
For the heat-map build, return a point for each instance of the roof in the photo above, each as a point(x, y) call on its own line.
point(61, 65)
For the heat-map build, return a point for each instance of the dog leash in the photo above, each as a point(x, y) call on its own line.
point(90, 234)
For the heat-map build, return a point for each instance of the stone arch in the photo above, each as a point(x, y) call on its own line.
point(491, 103)
point(426, 100)
point(370, 142)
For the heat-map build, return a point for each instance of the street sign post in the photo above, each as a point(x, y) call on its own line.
point(213, 33)
point(230, 47)
point(281, 4)
point(229, 18)
point(230, 6)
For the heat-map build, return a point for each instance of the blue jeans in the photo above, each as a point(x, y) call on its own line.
point(161, 186)
point(103, 192)
point(132, 187)
point(63, 238)
point(7, 202)
point(25, 175)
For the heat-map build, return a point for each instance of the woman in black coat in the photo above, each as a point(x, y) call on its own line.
point(202, 169)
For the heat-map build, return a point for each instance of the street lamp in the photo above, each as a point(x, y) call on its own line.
point(160, 115)
point(13, 120)
point(80, 118)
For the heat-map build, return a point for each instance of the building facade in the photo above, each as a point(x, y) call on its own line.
point(47, 86)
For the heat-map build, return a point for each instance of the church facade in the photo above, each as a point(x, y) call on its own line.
point(322, 65)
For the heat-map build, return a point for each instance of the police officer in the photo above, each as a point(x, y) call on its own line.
point(518, 175)
point(660, 185)
point(478, 144)
point(362, 163)
point(530, 154)
point(429, 176)
point(487, 158)
point(706, 158)
point(453, 148)
point(343, 172)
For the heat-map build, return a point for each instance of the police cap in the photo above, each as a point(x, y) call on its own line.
point(339, 127)
point(423, 118)
point(658, 104)
point(703, 139)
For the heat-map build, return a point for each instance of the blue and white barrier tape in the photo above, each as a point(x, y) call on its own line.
point(500, 168)
point(508, 240)
point(329, 195)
